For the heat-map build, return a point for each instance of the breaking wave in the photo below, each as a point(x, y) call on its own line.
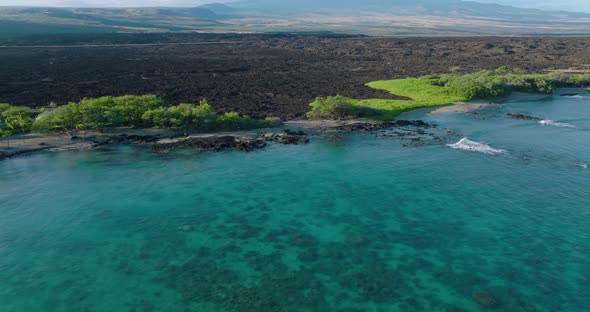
point(556, 124)
point(472, 146)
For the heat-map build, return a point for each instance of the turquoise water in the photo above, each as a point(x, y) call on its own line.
point(356, 224)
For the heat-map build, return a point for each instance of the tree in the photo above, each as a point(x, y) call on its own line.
point(138, 111)
point(185, 115)
point(65, 117)
point(131, 108)
point(4, 106)
point(17, 119)
point(7, 134)
point(157, 118)
point(339, 107)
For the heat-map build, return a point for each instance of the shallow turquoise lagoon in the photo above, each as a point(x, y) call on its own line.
point(500, 222)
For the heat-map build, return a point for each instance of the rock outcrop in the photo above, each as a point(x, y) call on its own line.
point(241, 143)
point(369, 127)
point(523, 117)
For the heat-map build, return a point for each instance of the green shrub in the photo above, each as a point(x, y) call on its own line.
point(272, 122)
point(339, 107)
point(4, 106)
point(578, 80)
point(180, 116)
point(140, 111)
point(494, 84)
point(62, 118)
point(100, 112)
point(233, 121)
point(15, 119)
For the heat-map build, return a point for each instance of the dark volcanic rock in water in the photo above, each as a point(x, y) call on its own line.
point(249, 145)
point(286, 137)
point(358, 240)
point(7, 155)
point(412, 123)
point(523, 117)
point(302, 240)
point(122, 139)
point(308, 256)
point(485, 299)
point(245, 144)
point(215, 143)
point(412, 132)
point(231, 247)
point(292, 132)
point(369, 127)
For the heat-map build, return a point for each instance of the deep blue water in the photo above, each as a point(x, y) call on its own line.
point(356, 224)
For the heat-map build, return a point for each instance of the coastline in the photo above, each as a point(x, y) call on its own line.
point(166, 140)
point(289, 132)
point(30, 143)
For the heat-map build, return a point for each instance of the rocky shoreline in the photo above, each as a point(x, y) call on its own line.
point(166, 141)
point(523, 117)
point(227, 142)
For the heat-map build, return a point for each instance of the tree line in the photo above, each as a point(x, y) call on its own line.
point(145, 111)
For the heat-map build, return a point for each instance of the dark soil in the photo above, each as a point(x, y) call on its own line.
point(258, 75)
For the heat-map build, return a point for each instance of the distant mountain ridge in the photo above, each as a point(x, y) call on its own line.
point(372, 17)
point(402, 7)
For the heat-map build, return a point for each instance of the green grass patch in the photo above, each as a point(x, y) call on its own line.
point(438, 90)
point(421, 90)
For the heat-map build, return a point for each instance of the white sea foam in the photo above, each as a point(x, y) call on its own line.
point(583, 165)
point(556, 124)
point(472, 146)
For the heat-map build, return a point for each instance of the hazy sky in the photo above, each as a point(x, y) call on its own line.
point(570, 5)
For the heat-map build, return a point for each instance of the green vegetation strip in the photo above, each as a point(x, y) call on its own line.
point(437, 90)
point(146, 111)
